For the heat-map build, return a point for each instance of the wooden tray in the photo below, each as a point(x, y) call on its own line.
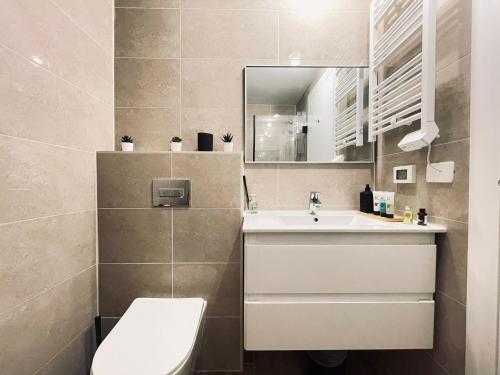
point(395, 219)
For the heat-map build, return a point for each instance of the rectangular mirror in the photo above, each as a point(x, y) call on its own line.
point(305, 114)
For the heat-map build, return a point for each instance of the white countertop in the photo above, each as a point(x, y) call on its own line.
point(327, 221)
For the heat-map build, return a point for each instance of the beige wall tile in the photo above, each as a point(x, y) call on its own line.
point(219, 284)
point(135, 236)
point(217, 121)
point(32, 334)
point(207, 235)
point(125, 179)
point(451, 200)
point(41, 180)
point(262, 180)
point(120, 284)
point(209, 83)
point(151, 128)
point(37, 105)
point(229, 34)
point(221, 352)
point(95, 17)
point(215, 178)
point(441, 200)
point(339, 185)
point(42, 253)
point(147, 83)
point(147, 32)
point(75, 358)
point(449, 335)
point(453, 101)
point(324, 5)
point(230, 4)
point(147, 3)
point(452, 260)
point(338, 36)
point(64, 49)
point(453, 31)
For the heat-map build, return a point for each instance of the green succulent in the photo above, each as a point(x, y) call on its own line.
point(227, 138)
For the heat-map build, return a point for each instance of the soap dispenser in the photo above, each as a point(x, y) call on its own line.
point(366, 200)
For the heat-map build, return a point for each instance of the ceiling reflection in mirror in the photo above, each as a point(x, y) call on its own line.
point(306, 115)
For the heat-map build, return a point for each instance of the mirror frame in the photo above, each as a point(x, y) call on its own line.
point(245, 80)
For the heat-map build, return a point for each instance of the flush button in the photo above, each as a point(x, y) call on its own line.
point(171, 192)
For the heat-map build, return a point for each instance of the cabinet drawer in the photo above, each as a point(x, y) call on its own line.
point(338, 325)
point(339, 269)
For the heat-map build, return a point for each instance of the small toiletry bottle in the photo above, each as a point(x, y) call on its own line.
point(389, 204)
point(366, 200)
point(382, 204)
point(252, 204)
point(376, 203)
point(422, 217)
point(408, 216)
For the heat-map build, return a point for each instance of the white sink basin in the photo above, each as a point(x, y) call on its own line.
point(326, 221)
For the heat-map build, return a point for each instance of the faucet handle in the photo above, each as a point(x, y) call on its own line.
point(314, 197)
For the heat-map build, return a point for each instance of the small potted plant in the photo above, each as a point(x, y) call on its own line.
point(227, 139)
point(176, 144)
point(127, 143)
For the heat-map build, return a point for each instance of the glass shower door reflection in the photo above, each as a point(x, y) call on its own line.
point(275, 138)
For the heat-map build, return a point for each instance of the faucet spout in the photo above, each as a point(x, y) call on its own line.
point(314, 202)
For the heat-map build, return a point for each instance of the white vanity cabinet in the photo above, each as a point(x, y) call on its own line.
point(329, 290)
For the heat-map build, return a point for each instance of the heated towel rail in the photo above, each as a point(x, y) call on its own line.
point(402, 64)
point(348, 97)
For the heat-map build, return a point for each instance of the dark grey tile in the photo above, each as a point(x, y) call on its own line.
point(120, 284)
point(125, 179)
point(222, 346)
point(452, 260)
point(449, 335)
point(410, 362)
point(107, 324)
point(135, 235)
point(207, 235)
point(219, 284)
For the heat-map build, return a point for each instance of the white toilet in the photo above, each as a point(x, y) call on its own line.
point(155, 336)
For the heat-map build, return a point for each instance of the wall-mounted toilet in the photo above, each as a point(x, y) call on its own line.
point(155, 336)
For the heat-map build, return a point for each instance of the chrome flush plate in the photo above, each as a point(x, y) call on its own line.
point(171, 192)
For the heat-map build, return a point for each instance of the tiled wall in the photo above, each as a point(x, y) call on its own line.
point(446, 203)
point(56, 105)
point(162, 252)
point(179, 70)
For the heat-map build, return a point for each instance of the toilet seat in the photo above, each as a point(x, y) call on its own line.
point(155, 336)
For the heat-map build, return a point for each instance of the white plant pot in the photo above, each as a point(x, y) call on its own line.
point(176, 146)
point(127, 146)
point(228, 146)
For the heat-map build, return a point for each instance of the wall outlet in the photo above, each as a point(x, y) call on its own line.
point(441, 172)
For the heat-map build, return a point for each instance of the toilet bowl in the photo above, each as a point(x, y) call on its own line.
point(155, 336)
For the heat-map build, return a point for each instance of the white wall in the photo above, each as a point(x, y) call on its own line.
point(483, 253)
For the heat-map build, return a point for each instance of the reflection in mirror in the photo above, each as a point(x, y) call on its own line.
point(306, 115)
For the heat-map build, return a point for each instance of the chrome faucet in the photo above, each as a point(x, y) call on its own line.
point(314, 202)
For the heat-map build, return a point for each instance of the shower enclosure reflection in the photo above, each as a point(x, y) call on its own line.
point(306, 114)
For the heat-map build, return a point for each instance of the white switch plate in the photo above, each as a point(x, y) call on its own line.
point(441, 172)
